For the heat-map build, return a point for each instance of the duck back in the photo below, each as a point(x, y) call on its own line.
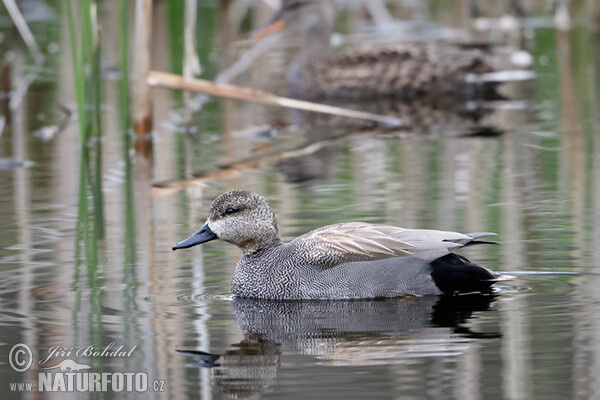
point(404, 71)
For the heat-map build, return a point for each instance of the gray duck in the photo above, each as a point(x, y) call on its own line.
point(416, 71)
point(342, 261)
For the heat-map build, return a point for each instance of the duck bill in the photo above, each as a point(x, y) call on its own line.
point(203, 235)
point(272, 27)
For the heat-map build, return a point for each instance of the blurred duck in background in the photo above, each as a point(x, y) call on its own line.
point(409, 72)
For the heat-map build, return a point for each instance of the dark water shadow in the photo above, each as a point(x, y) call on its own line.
point(348, 333)
point(314, 161)
point(445, 119)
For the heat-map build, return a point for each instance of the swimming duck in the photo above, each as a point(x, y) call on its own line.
point(417, 71)
point(342, 261)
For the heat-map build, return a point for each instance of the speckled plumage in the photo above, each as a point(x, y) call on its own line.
point(342, 261)
point(416, 71)
point(423, 72)
point(283, 272)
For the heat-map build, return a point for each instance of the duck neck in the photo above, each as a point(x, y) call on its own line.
point(316, 41)
point(258, 246)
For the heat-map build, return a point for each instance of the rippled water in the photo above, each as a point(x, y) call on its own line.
point(533, 177)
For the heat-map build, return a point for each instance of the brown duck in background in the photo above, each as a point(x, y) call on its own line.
point(419, 71)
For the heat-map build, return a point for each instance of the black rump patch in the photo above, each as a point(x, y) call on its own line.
point(456, 274)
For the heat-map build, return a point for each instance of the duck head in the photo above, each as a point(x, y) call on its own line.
point(311, 17)
point(239, 217)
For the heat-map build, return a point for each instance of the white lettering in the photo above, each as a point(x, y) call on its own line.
point(89, 382)
point(70, 380)
point(141, 382)
point(45, 381)
point(59, 383)
point(82, 382)
point(56, 351)
point(21, 387)
point(131, 351)
point(94, 382)
point(105, 380)
point(118, 382)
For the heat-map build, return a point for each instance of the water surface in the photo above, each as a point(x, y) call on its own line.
point(72, 278)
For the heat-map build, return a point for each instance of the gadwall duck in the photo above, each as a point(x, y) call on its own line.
point(342, 261)
point(409, 71)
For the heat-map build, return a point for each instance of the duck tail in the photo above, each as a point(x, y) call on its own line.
point(517, 75)
point(502, 278)
point(456, 274)
point(473, 242)
point(473, 239)
point(489, 82)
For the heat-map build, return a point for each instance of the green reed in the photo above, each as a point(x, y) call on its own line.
point(85, 55)
point(90, 219)
point(123, 15)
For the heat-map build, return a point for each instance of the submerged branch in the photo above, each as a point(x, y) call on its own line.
point(229, 170)
point(225, 171)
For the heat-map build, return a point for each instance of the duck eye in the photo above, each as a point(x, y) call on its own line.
point(230, 211)
point(295, 5)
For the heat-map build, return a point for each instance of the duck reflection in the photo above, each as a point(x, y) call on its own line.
point(315, 160)
point(444, 117)
point(348, 333)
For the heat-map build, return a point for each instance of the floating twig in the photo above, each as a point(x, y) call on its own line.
point(172, 81)
point(234, 168)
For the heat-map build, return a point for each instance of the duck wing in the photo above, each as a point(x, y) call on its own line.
point(406, 71)
point(358, 241)
point(432, 244)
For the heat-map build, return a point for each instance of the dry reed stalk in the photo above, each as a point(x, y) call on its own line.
point(172, 81)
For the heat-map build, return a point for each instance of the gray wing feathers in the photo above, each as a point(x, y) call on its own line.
point(473, 236)
point(430, 251)
point(350, 242)
point(357, 241)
